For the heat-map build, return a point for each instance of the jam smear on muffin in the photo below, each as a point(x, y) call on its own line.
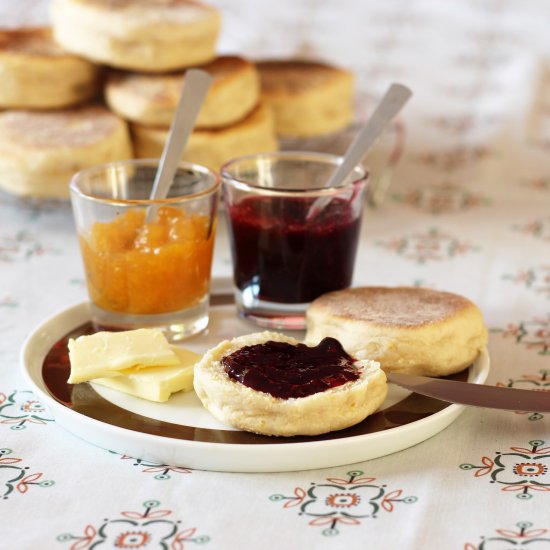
point(290, 371)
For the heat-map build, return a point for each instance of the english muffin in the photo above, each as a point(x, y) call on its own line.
point(152, 99)
point(405, 329)
point(308, 98)
point(214, 147)
point(141, 35)
point(271, 389)
point(41, 150)
point(38, 74)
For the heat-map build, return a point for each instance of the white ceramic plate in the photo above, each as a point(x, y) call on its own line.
point(181, 433)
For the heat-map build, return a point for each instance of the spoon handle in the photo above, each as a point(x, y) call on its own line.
point(195, 87)
point(392, 102)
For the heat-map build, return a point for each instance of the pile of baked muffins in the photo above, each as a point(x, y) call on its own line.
point(103, 82)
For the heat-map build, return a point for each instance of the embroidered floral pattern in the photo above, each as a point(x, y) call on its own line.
point(537, 382)
point(15, 477)
point(22, 246)
point(534, 278)
point(454, 159)
point(21, 408)
point(162, 471)
point(523, 470)
point(540, 229)
point(441, 199)
point(8, 302)
point(524, 537)
point(342, 501)
point(539, 183)
point(533, 334)
point(431, 245)
point(151, 528)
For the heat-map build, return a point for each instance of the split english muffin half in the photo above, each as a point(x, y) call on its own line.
point(246, 408)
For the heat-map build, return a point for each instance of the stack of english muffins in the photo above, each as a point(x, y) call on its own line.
point(102, 84)
point(52, 123)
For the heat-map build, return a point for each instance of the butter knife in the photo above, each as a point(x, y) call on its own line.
point(476, 395)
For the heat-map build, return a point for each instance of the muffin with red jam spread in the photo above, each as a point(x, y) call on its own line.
point(271, 384)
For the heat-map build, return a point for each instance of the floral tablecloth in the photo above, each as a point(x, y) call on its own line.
point(468, 212)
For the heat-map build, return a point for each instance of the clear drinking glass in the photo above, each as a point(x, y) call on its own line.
point(147, 263)
point(292, 239)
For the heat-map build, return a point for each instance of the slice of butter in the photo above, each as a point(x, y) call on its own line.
point(155, 383)
point(106, 353)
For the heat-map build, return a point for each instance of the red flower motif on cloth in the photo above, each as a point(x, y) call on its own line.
point(430, 245)
point(21, 408)
point(524, 537)
point(533, 334)
point(133, 539)
point(15, 477)
point(342, 501)
point(133, 530)
point(529, 469)
point(523, 470)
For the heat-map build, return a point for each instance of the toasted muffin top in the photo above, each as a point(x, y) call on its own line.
point(31, 41)
point(404, 307)
point(296, 76)
point(166, 88)
point(74, 127)
point(176, 11)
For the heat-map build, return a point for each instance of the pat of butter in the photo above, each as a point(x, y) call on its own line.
point(106, 353)
point(155, 383)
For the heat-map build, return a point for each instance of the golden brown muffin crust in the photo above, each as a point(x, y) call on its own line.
point(402, 307)
point(295, 76)
point(76, 127)
point(31, 41)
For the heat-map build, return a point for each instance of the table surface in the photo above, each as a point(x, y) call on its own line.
point(468, 212)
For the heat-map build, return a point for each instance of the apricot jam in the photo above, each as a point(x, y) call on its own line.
point(288, 371)
point(149, 268)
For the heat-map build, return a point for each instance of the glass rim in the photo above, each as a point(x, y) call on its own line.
point(75, 189)
point(325, 158)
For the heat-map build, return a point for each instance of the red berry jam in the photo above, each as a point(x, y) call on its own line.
point(279, 256)
point(287, 371)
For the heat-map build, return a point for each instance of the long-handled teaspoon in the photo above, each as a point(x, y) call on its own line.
point(392, 102)
point(195, 87)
